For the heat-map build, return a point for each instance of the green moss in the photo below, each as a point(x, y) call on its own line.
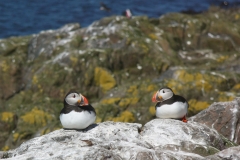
point(205, 151)
point(228, 143)
point(105, 111)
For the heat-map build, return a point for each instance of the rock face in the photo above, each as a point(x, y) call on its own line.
point(158, 139)
point(232, 153)
point(224, 117)
point(117, 63)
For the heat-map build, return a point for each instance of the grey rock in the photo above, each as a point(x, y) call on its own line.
point(232, 153)
point(158, 139)
point(48, 43)
point(224, 117)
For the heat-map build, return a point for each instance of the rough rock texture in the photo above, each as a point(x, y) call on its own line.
point(224, 117)
point(158, 139)
point(232, 153)
point(117, 63)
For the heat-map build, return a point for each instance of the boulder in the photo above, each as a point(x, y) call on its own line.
point(224, 117)
point(158, 139)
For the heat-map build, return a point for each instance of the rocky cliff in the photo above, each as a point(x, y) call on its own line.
point(157, 139)
point(117, 63)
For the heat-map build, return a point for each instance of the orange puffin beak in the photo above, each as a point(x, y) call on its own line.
point(156, 98)
point(83, 101)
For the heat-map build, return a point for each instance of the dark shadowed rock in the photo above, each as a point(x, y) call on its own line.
point(224, 117)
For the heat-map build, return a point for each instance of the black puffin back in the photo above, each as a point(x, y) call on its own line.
point(173, 99)
point(88, 108)
point(68, 108)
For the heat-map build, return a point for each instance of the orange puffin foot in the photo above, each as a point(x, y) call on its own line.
point(184, 119)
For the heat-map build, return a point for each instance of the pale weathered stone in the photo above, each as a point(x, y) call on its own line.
point(158, 139)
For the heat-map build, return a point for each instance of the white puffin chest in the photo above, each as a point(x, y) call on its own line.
point(175, 110)
point(77, 120)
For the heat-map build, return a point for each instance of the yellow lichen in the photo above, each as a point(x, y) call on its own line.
point(152, 110)
point(35, 79)
point(173, 84)
point(223, 97)
point(236, 87)
point(5, 148)
point(56, 128)
point(104, 79)
point(125, 116)
point(221, 59)
point(133, 90)
point(40, 88)
point(198, 81)
point(74, 60)
point(236, 16)
point(36, 117)
point(62, 93)
point(110, 101)
point(98, 120)
point(45, 131)
point(128, 101)
point(15, 137)
point(4, 66)
point(197, 106)
point(144, 47)
point(7, 116)
point(153, 36)
point(151, 88)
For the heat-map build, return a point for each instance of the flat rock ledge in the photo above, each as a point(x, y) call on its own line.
point(157, 139)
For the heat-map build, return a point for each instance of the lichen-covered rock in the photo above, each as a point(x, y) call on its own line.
point(118, 63)
point(104, 79)
point(158, 139)
point(8, 122)
point(224, 117)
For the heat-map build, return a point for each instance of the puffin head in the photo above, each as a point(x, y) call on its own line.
point(162, 94)
point(75, 99)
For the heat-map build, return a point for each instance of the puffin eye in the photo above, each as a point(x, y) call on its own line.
point(163, 91)
point(74, 96)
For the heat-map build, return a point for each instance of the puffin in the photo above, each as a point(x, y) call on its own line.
point(127, 13)
point(170, 105)
point(77, 113)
